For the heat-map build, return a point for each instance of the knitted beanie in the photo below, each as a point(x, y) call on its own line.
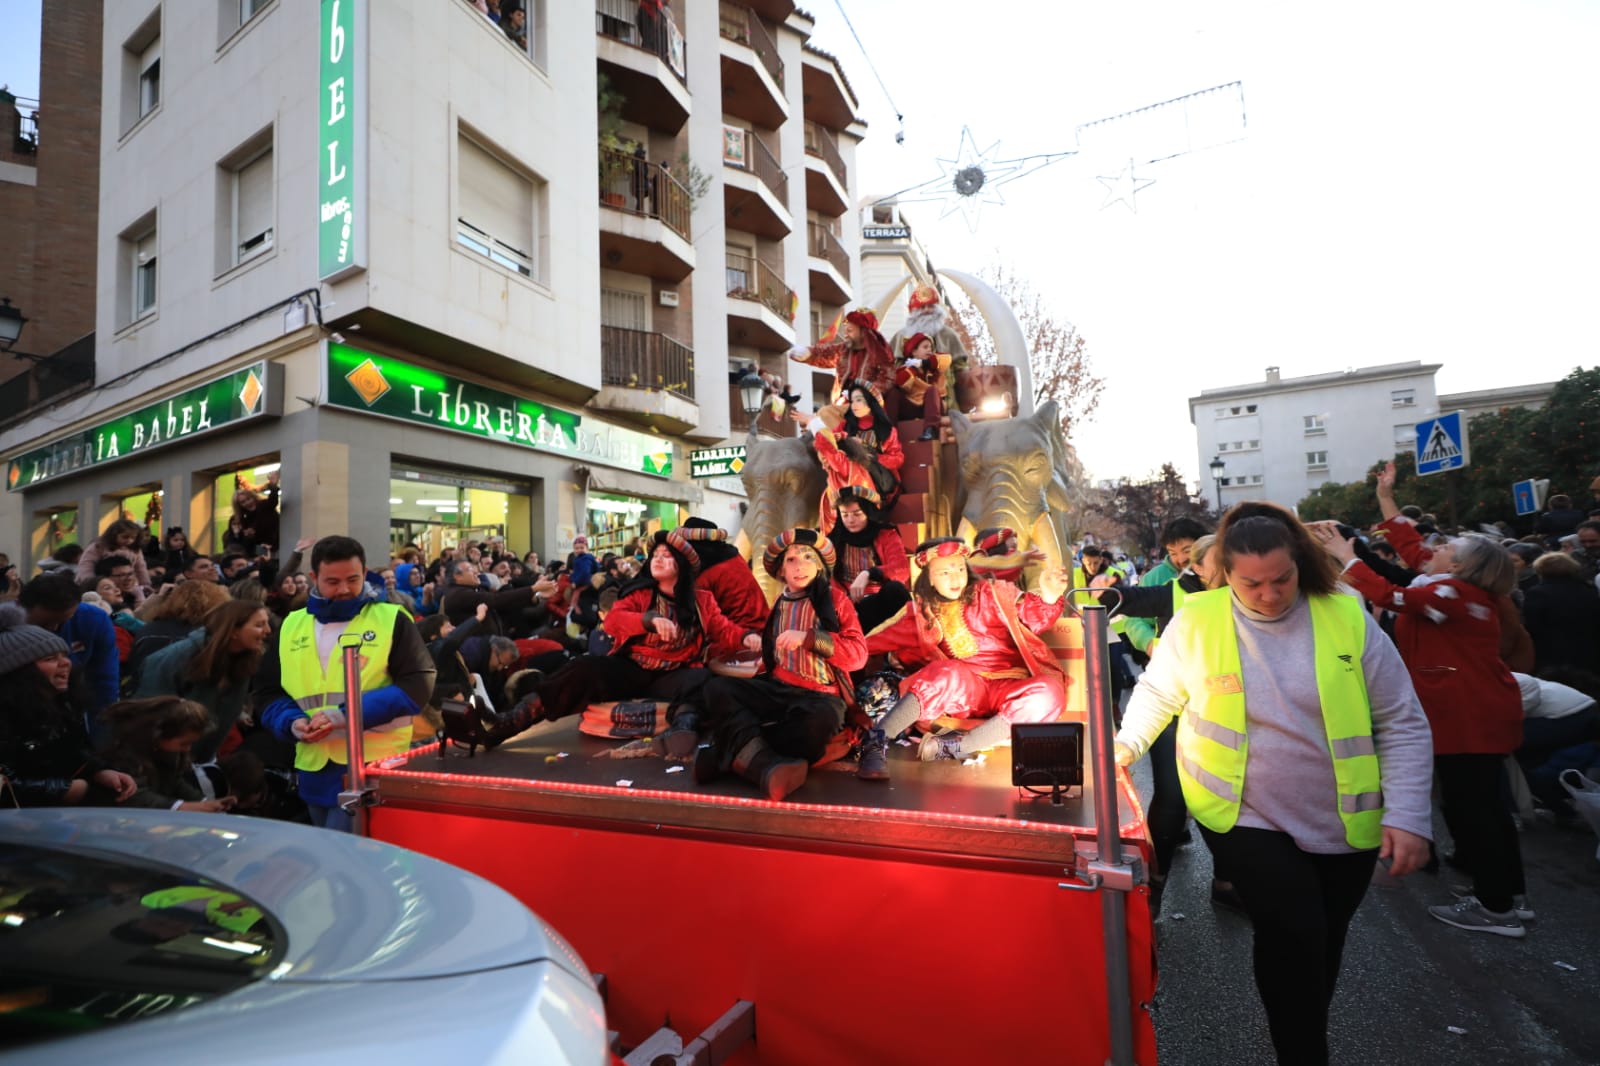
point(21, 643)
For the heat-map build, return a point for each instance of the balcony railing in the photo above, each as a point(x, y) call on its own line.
point(644, 188)
point(825, 245)
point(67, 371)
point(630, 23)
point(25, 132)
point(634, 359)
point(751, 279)
point(739, 23)
point(767, 168)
point(822, 144)
point(766, 425)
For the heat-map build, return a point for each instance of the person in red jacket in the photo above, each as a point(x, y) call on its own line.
point(1448, 633)
point(662, 627)
point(863, 452)
point(770, 729)
point(859, 354)
point(725, 574)
point(984, 658)
point(873, 566)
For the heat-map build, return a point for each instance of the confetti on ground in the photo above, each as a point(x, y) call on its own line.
point(1456, 1029)
point(624, 783)
point(674, 769)
point(633, 749)
point(551, 758)
point(1568, 967)
point(903, 742)
point(1178, 917)
point(562, 754)
point(976, 760)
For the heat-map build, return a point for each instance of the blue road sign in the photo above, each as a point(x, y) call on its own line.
point(1522, 492)
point(1442, 443)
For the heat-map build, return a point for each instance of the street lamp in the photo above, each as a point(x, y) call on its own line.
point(752, 390)
point(11, 323)
point(1217, 467)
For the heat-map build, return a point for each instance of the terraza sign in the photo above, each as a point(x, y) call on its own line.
point(885, 233)
point(251, 392)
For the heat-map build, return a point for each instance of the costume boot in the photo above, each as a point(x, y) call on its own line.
point(527, 713)
point(774, 774)
point(683, 736)
point(874, 757)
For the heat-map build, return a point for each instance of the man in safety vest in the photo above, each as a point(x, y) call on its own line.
point(302, 682)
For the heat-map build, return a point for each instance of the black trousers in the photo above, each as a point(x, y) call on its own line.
point(795, 721)
point(1168, 813)
point(598, 678)
point(1475, 812)
point(874, 610)
point(1300, 905)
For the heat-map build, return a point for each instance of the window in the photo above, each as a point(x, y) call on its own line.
point(252, 207)
point(1316, 424)
point(1249, 408)
point(1255, 479)
point(627, 310)
point(1253, 444)
point(499, 210)
point(234, 15)
point(1405, 438)
point(1222, 446)
point(141, 72)
point(144, 276)
point(1316, 460)
point(1403, 398)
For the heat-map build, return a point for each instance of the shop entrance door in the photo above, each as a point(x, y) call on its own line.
point(435, 510)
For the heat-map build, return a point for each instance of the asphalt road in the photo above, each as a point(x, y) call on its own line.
point(1408, 981)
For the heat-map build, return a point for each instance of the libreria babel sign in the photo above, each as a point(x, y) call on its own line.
point(380, 385)
point(250, 392)
point(341, 139)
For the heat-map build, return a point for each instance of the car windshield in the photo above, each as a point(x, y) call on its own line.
point(88, 940)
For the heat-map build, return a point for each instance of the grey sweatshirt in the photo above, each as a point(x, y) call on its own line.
point(1288, 779)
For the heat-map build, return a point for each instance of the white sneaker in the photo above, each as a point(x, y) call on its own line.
point(1519, 904)
point(1467, 913)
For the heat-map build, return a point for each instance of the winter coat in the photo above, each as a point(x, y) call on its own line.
point(737, 592)
point(94, 551)
point(166, 673)
point(42, 750)
point(1563, 618)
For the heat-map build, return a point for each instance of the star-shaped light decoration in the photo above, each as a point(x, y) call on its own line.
point(1123, 187)
point(973, 178)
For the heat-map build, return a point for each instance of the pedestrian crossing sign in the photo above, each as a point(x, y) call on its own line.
point(1442, 443)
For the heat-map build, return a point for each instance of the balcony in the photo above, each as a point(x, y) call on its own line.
point(829, 266)
point(827, 93)
point(646, 62)
point(755, 190)
point(826, 188)
point(47, 379)
point(767, 426)
point(644, 218)
point(752, 73)
point(760, 305)
point(648, 379)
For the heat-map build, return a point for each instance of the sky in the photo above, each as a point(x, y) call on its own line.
point(1415, 181)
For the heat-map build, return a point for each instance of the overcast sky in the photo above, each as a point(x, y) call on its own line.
point(1417, 181)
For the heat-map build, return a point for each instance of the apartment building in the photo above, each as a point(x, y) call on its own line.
point(448, 281)
point(1281, 438)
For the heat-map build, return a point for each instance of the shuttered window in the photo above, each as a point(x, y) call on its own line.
point(252, 207)
point(497, 215)
point(625, 310)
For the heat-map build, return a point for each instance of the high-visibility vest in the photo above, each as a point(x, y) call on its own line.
point(1080, 580)
point(315, 686)
point(1212, 745)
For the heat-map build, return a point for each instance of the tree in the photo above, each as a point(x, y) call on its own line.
point(1139, 509)
point(1058, 355)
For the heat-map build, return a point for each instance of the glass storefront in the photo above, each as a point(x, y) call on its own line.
point(145, 508)
point(226, 484)
point(614, 521)
point(434, 510)
point(52, 528)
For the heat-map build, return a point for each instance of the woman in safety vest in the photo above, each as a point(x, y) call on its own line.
point(1302, 752)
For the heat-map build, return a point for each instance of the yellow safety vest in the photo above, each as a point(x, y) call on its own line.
point(1212, 746)
point(1080, 580)
point(316, 686)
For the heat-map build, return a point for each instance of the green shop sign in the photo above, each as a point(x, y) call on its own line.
point(255, 391)
point(342, 139)
point(362, 381)
point(717, 462)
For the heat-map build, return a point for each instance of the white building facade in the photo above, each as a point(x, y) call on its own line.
point(363, 242)
point(1282, 438)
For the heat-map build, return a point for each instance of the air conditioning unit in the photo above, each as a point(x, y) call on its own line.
point(668, 298)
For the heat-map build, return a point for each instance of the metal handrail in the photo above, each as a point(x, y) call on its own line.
point(826, 246)
point(738, 23)
point(748, 278)
point(658, 36)
point(654, 362)
point(644, 188)
point(822, 144)
point(768, 169)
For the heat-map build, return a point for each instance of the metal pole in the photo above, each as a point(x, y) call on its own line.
point(1113, 904)
point(356, 797)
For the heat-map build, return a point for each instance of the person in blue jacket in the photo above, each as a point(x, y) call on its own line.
point(51, 601)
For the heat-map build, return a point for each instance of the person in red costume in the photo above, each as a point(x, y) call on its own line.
point(725, 574)
point(984, 658)
point(770, 729)
point(995, 555)
point(861, 354)
point(863, 452)
point(918, 383)
point(873, 566)
point(663, 628)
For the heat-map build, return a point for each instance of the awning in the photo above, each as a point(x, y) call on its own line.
point(623, 483)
